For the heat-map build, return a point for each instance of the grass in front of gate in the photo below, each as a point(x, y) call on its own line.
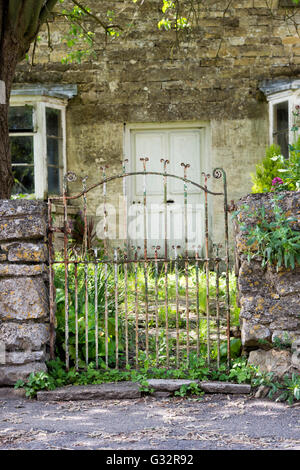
point(155, 297)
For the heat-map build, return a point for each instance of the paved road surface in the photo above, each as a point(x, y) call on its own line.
point(211, 423)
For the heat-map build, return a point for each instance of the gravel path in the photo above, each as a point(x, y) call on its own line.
point(212, 422)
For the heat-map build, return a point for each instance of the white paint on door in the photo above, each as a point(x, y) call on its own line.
point(178, 144)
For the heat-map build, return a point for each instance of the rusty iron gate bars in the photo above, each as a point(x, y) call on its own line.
point(136, 173)
point(220, 173)
point(125, 214)
point(105, 264)
point(144, 161)
point(66, 262)
point(96, 309)
point(165, 163)
point(126, 307)
point(126, 254)
point(136, 248)
point(157, 247)
point(217, 267)
point(206, 176)
point(186, 262)
point(177, 303)
point(197, 300)
point(85, 252)
point(76, 311)
point(116, 307)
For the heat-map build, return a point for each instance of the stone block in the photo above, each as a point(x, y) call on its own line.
point(22, 336)
point(287, 282)
point(10, 393)
point(254, 334)
point(24, 357)
point(275, 361)
point(20, 208)
point(225, 387)
point(9, 375)
point(252, 280)
point(105, 391)
point(168, 385)
point(295, 360)
point(16, 270)
point(26, 252)
point(23, 298)
point(27, 227)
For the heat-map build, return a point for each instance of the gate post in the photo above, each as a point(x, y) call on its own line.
point(24, 299)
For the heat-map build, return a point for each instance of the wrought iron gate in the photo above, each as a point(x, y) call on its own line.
point(127, 303)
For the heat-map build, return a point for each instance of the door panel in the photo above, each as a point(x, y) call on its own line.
point(182, 145)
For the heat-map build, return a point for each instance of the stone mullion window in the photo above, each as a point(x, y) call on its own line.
point(22, 133)
point(37, 124)
point(54, 138)
point(281, 126)
point(283, 96)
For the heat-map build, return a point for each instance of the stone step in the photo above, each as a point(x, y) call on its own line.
point(105, 391)
point(131, 390)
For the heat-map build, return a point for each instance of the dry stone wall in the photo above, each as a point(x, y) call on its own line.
point(24, 303)
point(269, 298)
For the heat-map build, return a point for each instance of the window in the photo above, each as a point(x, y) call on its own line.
point(283, 96)
point(280, 132)
point(37, 136)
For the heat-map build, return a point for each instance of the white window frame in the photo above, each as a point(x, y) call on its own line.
point(293, 99)
point(39, 104)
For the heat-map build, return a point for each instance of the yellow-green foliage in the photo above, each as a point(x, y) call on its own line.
point(266, 171)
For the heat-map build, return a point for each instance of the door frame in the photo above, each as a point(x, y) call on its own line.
point(205, 164)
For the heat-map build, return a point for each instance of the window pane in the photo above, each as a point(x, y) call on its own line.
point(24, 179)
point(53, 151)
point(282, 127)
point(21, 149)
point(20, 119)
point(53, 122)
point(53, 180)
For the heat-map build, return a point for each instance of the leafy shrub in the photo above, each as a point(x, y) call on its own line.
point(277, 172)
point(267, 170)
point(289, 169)
point(275, 241)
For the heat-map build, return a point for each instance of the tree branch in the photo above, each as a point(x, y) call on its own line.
point(14, 8)
point(104, 26)
point(47, 10)
point(31, 18)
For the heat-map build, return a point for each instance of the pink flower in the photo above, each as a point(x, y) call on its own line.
point(276, 180)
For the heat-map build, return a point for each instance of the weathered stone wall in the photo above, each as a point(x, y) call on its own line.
point(24, 304)
point(269, 298)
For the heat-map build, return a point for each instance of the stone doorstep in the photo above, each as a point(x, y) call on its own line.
point(130, 390)
point(9, 393)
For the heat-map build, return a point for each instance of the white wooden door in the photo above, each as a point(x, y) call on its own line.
point(178, 146)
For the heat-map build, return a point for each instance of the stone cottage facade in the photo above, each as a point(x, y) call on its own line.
point(218, 100)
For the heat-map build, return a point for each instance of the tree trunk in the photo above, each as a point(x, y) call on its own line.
point(20, 21)
point(9, 57)
point(6, 177)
